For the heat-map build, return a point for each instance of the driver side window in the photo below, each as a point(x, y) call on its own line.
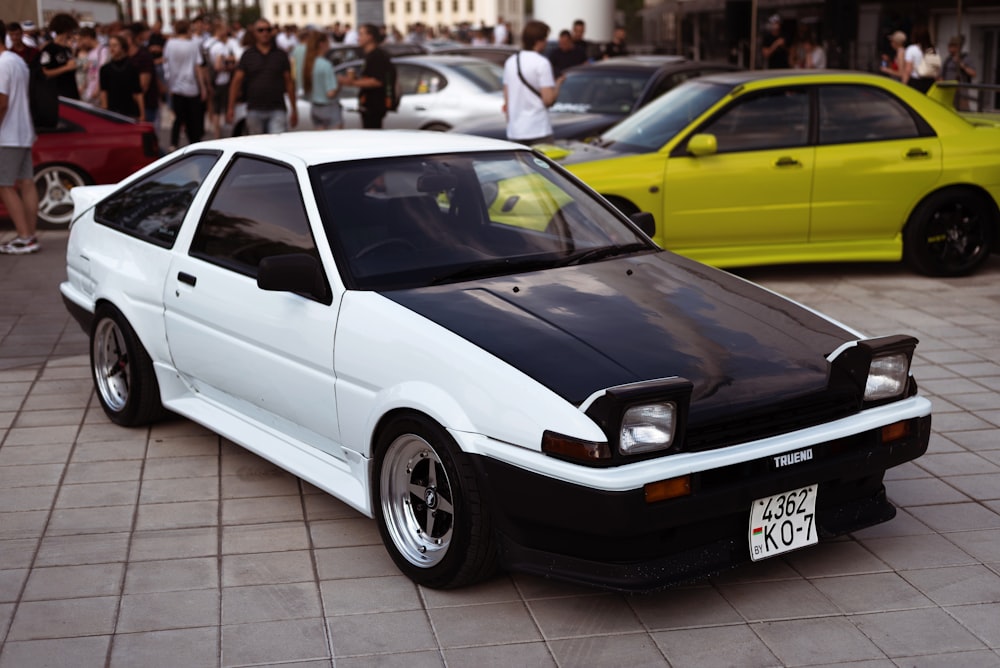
point(256, 212)
point(774, 119)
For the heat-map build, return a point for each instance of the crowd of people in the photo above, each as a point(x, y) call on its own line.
point(917, 63)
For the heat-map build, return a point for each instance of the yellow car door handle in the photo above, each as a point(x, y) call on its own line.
point(787, 162)
point(917, 153)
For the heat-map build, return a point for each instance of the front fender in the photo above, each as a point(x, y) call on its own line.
point(388, 358)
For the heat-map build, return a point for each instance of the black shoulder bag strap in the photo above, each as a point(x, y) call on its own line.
point(523, 80)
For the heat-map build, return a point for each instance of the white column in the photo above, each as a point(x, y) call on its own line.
point(599, 15)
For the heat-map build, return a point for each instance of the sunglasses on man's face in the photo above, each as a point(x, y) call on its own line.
point(264, 29)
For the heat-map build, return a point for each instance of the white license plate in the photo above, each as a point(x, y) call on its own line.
point(783, 522)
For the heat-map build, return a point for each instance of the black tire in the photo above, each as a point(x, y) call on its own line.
point(122, 371)
point(951, 233)
point(436, 127)
point(428, 506)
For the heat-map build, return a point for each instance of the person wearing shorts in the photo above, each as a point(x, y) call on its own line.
point(17, 134)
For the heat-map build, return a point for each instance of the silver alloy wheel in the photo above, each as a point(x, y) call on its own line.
point(53, 183)
point(417, 501)
point(112, 372)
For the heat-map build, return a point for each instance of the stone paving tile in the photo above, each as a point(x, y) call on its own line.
point(169, 546)
point(578, 616)
point(354, 596)
point(715, 647)
point(56, 582)
point(272, 602)
point(165, 610)
point(65, 618)
point(191, 648)
point(916, 632)
point(381, 633)
point(56, 653)
point(629, 649)
point(822, 640)
point(534, 654)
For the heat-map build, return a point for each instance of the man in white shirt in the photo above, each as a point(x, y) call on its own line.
point(17, 134)
point(529, 88)
point(500, 32)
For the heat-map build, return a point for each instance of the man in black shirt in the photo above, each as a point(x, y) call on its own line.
point(264, 75)
point(566, 55)
point(775, 48)
point(377, 73)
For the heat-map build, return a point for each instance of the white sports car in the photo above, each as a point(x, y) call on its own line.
point(459, 339)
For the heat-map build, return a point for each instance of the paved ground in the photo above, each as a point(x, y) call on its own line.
point(169, 546)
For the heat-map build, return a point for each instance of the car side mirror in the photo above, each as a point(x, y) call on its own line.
point(295, 272)
point(645, 221)
point(702, 144)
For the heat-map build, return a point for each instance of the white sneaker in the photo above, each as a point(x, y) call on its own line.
point(21, 246)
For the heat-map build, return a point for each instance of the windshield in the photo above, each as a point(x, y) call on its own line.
point(658, 122)
point(486, 75)
point(426, 220)
point(600, 92)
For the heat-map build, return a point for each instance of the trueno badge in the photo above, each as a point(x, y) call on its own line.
point(792, 458)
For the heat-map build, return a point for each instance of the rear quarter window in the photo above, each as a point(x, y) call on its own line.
point(154, 207)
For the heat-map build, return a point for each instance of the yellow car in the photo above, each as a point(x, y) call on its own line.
point(748, 168)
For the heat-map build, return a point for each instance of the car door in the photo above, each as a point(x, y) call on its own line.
point(875, 159)
point(754, 189)
point(267, 356)
point(422, 90)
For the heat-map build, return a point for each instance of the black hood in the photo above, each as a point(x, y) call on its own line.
point(581, 329)
point(565, 125)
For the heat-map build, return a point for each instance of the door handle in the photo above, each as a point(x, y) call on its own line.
point(186, 278)
point(787, 162)
point(917, 153)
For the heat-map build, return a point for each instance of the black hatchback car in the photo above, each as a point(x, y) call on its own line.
point(597, 95)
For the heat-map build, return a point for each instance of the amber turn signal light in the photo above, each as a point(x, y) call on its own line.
point(661, 490)
point(895, 431)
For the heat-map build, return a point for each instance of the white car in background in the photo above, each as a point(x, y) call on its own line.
point(438, 93)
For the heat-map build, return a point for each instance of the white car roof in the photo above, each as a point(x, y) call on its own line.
point(324, 146)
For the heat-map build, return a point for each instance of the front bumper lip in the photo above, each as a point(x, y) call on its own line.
point(618, 540)
point(635, 476)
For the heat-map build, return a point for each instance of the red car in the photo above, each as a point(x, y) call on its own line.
point(90, 145)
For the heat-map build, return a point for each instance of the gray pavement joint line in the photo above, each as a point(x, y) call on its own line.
point(131, 536)
point(307, 521)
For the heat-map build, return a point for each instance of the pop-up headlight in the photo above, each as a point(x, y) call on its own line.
point(878, 368)
point(648, 427)
point(887, 377)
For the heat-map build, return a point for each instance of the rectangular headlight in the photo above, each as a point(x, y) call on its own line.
point(887, 376)
point(648, 427)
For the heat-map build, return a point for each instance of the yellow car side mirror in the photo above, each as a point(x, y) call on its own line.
point(702, 144)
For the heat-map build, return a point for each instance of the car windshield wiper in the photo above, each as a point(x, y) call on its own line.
point(494, 268)
point(602, 252)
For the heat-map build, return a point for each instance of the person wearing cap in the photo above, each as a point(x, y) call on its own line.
point(956, 67)
point(775, 48)
point(31, 38)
